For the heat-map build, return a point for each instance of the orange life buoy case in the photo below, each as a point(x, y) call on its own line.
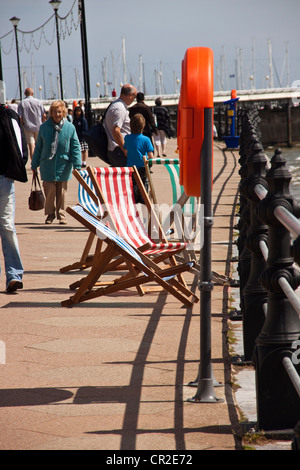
point(196, 94)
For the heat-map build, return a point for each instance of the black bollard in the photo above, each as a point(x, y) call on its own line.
point(278, 405)
point(254, 294)
point(248, 139)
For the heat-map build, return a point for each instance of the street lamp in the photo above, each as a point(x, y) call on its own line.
point(85, 61)
point(15, 22)
point(55, 6)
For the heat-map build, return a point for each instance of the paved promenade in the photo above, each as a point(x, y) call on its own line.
point(112, 373)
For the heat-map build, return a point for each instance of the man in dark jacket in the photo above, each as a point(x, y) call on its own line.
point(141, 108)
point(163, 126)
point(13, 158)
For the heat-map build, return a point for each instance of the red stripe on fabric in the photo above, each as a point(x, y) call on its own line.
point(114, 183)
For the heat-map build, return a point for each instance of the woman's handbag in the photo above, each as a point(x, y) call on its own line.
point(36, 199)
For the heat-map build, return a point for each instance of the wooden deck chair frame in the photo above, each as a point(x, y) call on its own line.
point(99, 201)
point(141, 269)
point(153, 222)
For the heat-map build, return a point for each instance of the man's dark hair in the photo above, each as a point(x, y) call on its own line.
point(140, 97)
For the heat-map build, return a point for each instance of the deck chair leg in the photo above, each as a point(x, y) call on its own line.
point(84, 262)
point(142, 269)
point(88, 247)
point(133, 274)
point(133, 283)
point(89, 281)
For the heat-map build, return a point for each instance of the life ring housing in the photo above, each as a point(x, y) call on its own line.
point(196, 94)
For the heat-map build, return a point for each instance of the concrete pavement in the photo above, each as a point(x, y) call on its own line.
point(112, 373)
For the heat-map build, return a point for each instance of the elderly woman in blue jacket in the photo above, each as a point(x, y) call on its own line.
point(57, 152)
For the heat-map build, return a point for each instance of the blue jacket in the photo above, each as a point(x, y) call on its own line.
point(81, 127)
point(68, 153)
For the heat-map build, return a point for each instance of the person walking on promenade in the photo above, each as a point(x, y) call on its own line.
point(32, 114)
point(13, 159)
point(138, 145)
point(141, 108)
point(81, 127)
point(57, 152)
point(13, 105)
point(117, 125)
point(163, 126)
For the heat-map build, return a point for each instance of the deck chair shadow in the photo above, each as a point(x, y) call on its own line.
point(108, 194)
point(182, 217)
point(140, 268)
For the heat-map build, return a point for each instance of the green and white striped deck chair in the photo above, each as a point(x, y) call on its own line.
point(178, 194)
point(189, 205)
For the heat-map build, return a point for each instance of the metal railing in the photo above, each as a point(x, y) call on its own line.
point(269, 277)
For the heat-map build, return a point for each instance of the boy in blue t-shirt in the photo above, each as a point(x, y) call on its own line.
point(137, 145)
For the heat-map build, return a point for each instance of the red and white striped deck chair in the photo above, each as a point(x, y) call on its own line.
point(140, 268)
point(111, 193)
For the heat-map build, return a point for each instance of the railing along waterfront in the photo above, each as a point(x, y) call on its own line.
point(269, 277)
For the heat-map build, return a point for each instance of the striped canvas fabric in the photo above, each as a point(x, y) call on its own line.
point(104, 232)
point(117, 188)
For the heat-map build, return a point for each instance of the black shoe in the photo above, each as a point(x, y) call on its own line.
point(49, 219)
point(14, 285)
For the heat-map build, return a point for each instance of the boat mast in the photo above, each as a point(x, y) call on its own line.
point(104, 74)
point(285, 68)
point(124, 60)
point(114, 70)
point(271, 82)
point(253, 64)
point(141, 73)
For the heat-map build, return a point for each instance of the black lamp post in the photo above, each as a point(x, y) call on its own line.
point(55, 6)
point(85, 62)
point(15, 22)
point(1, 71)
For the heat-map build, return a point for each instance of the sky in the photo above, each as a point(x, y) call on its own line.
point(151, 37)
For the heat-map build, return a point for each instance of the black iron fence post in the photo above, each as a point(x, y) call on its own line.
point(278, 405)
point(248, 138)
point(254, 294)
point(243, 252)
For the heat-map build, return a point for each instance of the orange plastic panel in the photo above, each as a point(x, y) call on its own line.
point(196, 94)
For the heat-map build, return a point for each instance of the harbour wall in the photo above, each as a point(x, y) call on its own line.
point(278, 126)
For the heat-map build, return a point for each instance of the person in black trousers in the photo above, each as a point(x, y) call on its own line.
point(163, 127)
